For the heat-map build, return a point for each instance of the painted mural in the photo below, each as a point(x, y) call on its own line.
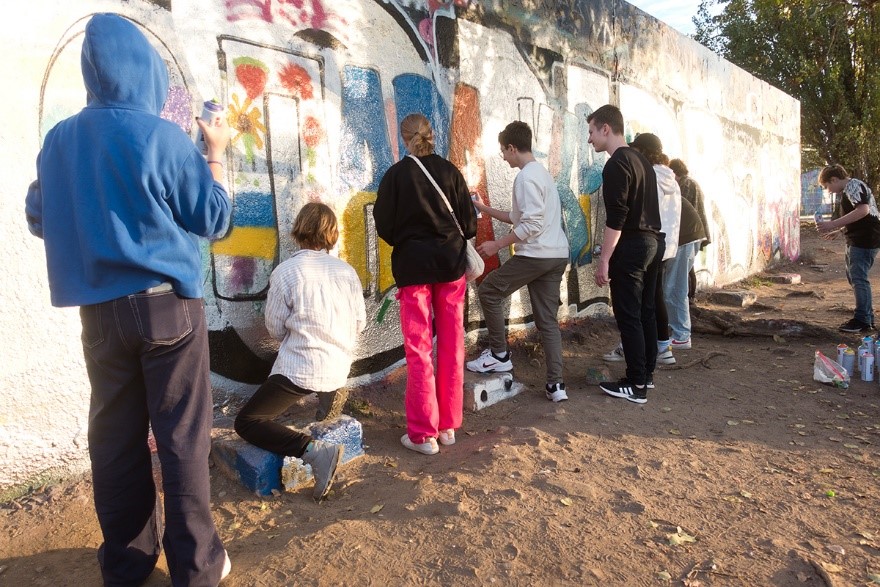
point(315, 91)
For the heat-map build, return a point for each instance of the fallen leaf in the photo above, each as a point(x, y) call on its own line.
point(664, 576)
point(867, 535)
point(874, 578)
point(679, 538)
point(733, 423)
point(836, 548)
point(831, 567)
point(826, 470)
point(850, 445)
point(675, 432)
point(566, 501)
point(377, 508)
point(778, 339)
point(746, 494)
point(666, 409)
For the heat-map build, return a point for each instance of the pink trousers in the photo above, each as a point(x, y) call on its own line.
point(433, 396)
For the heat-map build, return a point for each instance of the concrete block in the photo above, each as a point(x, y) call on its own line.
point(262, 471)
point(789, 278)
point(257, 469)
point(739, 299)
point(343, 430)
point(484, 389)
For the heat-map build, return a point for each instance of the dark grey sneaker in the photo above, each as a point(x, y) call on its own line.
point(324, 459)
point(626, 390)
point(854, 325)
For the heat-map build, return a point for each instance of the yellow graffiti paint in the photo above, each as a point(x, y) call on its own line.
point(248, 241)
point(353, 248)
point(586, 206)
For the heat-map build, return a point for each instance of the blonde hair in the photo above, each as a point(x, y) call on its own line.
point(315, 227)
point(417, 135)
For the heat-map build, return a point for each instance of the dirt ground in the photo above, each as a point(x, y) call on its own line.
point(740, 470)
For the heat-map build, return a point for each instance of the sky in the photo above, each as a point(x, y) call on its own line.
point(675, 13)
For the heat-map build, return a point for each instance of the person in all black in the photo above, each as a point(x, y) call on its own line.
point(857, 215)
point(428, 264)
point(629, 261)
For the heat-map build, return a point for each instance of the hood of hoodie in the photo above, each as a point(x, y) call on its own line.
point(120, 67)
point(666, 182)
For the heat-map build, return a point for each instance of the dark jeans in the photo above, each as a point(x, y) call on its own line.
point(633, 271)
point(255, 421)
point(147, 359)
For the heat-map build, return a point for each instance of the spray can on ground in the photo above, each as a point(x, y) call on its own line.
point(849, 361)
point(876, 353)
point(868, 343)
point(867, 367)
point(841, 348)
point(211, 110)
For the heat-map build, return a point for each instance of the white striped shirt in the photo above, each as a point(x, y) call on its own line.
point(316, 309)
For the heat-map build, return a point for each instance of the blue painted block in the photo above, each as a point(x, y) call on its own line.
point(262, 471)
point(257, 469)
point(343, 430)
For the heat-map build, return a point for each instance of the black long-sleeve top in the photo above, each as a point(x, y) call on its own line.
point(411, 217)
point(629, 190)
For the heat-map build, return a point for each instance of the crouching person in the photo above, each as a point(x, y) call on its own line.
point(315, 308)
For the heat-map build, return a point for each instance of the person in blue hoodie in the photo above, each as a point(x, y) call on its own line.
point(120, 201)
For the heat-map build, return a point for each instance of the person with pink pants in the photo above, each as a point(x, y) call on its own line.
point(433, 396)
point(428, 264)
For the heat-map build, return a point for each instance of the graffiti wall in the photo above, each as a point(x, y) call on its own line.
point(315, 91)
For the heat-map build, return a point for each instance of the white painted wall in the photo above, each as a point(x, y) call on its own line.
point(739, 136)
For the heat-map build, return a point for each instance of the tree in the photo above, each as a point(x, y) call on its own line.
point(822, 52)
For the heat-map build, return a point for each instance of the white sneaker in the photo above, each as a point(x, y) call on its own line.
point(615, 355)
point(555, 392)
point(664, 357)
point(227, 566)
point(487, 363)
point(429, 447)
point(681, 344)
point(446, 437)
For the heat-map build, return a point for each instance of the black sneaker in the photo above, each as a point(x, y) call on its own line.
point(854, 325)
point(623, 388)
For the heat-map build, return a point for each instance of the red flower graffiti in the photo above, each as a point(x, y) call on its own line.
point(312, 132)
point(297, 81)
point(252, 74)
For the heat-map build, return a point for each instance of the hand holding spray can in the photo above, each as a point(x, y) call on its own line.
point(476, 198)
point(211, 110)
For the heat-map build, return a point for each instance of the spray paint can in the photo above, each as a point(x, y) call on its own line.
point(876, 353)
point(868, 343)
point(841, 348)
point(868, 367)
point(476, 198)
point(849, 361)
point(211, 110)
point(817, 216)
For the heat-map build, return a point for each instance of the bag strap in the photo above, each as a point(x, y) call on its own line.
point(439, 191)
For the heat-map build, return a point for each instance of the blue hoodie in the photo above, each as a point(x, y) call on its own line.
point(122, 195)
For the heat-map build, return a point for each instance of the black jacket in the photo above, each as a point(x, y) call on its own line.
point(411, 217)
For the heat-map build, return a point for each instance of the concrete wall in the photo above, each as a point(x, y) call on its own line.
point(316, 90)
